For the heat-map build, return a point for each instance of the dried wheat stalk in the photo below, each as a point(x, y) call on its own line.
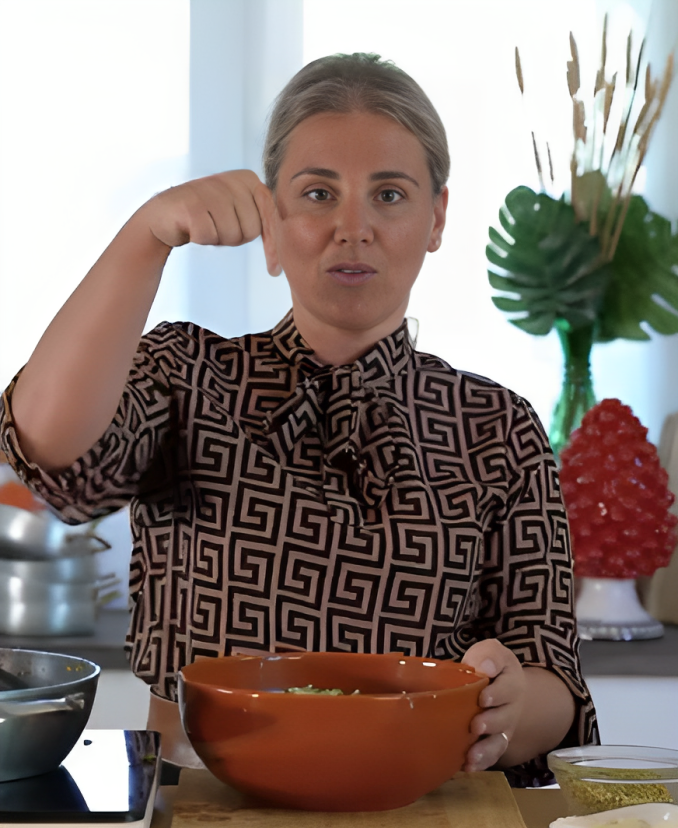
point(591, 137)
point(519, 73)
point(538, 162)
point(630, 144)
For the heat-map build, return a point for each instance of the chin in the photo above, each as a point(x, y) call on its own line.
point(358, 323)
point(361, 316)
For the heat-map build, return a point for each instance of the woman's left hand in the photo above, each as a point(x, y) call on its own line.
point(502, 702)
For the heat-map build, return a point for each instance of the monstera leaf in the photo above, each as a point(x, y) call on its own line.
point(643, 284)
point(546, 262)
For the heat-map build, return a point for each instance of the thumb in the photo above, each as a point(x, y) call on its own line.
point(489, 668)
point(268, 212)
point(482, 656)
point(263, 198)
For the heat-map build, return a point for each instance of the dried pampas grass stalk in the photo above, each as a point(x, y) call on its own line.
point(519, 72)
point(613, 150)
point(629, 43)
point(579, 113)
point(666, 81)
point(607, 106)
point(538, 162)
point(548, 153)
point(573, 78)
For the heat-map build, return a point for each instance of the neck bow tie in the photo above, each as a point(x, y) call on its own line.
point(364, 432)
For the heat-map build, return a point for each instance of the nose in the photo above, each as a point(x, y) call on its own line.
point(353, 222)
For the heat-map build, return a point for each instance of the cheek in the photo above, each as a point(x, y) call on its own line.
point(300, 236)
point(409, 242)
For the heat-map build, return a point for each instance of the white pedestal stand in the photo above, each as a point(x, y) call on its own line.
point(608, 608)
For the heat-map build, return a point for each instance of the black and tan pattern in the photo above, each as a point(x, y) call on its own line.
point(394, 504)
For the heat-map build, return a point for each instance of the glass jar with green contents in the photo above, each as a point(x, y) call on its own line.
point(596, 778)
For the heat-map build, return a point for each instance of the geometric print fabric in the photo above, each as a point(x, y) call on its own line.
point(394, 504)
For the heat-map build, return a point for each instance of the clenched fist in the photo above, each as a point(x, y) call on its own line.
point(219, 209)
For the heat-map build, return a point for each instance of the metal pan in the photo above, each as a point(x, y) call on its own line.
point(35, 608)
point(40, 725)
point(78, 569)
point(28, 535)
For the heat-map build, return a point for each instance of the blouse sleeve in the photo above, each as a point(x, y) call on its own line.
point(128, 458)
point(526, 590)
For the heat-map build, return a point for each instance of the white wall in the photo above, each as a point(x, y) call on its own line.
point(636, 711)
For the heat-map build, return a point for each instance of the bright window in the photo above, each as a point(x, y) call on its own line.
point(94, 113)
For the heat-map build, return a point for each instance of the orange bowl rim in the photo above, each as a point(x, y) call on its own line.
point(238, 691)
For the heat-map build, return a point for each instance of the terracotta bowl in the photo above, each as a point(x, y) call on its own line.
point(404, 734)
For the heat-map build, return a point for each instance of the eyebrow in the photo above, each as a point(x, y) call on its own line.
point(322, 172)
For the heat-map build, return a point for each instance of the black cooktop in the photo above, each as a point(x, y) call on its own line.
point(109, 776)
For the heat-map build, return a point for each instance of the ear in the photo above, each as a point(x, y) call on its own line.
point(268, 213)
point(439, 214)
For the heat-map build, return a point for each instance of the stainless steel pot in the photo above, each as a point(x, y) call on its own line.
point(39, 608)
point(40, 725)
point(79, 569)
point(28, 535)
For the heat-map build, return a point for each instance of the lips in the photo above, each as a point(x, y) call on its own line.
point(351, 273)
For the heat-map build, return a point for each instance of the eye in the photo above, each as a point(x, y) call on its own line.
point(318, 194)
point(390, 196)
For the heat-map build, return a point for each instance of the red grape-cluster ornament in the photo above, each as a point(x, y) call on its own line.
point(618, 503)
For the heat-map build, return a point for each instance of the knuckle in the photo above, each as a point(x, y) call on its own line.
point(252, 231)
point(204, 231)
point(233, 237)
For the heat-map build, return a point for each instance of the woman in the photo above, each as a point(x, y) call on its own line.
point(320, 486)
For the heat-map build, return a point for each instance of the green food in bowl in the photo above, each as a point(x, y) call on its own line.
point(309, 688)
point(598, 778)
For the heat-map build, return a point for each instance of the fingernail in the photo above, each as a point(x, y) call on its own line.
point(489, 667)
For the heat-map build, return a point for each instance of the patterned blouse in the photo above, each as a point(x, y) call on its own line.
point(394, 504)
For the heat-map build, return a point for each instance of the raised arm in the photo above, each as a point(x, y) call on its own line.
point(68, 392)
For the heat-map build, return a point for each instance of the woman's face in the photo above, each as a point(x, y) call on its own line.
point(353, 219)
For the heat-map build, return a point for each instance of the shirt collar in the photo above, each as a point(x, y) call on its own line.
point(388, 357)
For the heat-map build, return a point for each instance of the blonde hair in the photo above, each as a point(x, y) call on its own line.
point(356, 83)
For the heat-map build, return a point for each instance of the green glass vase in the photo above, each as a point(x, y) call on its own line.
point(576, 396)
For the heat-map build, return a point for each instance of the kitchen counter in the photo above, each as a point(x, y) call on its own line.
point(537, 808)
point(657, 657)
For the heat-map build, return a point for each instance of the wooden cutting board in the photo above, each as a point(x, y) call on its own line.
point(470, 800)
